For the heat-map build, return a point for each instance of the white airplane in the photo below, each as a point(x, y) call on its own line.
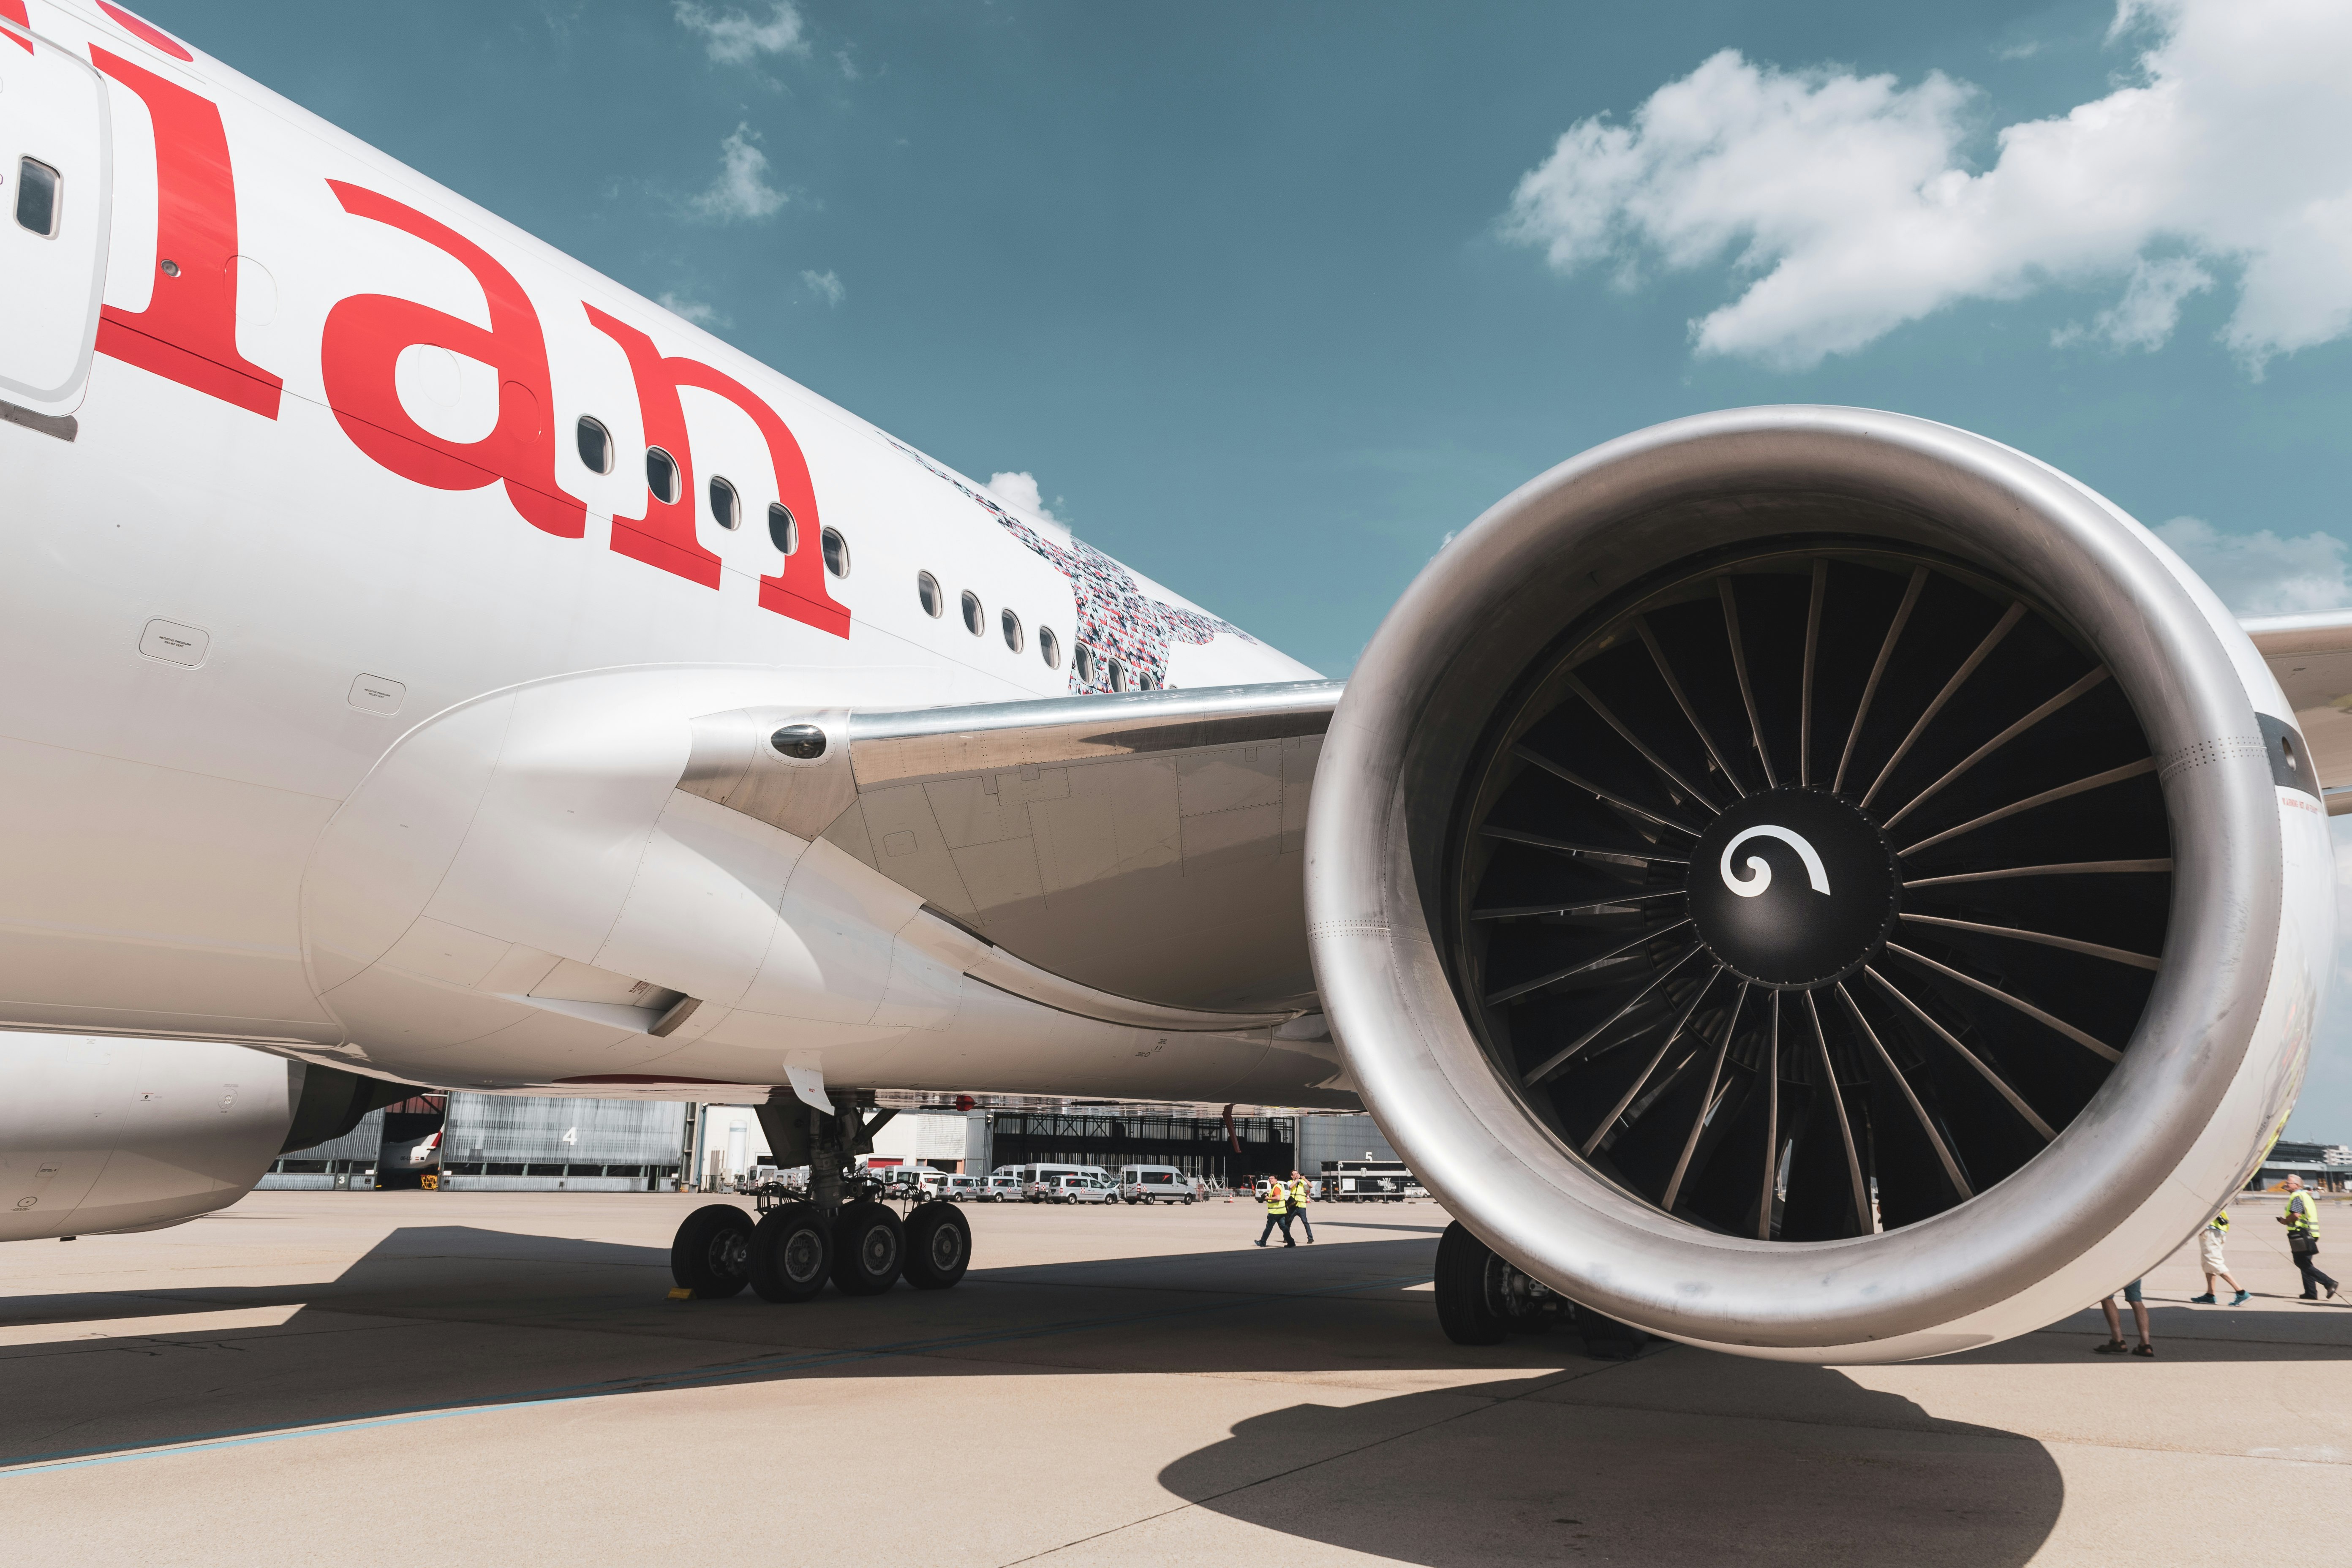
point(1805, 881)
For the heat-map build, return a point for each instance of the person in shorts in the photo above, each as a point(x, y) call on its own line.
point(2209, 1257)
point(2115, 1345)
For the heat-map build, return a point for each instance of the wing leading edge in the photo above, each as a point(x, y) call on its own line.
point(2311, 658)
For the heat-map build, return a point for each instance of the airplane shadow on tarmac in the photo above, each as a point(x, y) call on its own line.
point(1679, 1454)
point(1845, 1475)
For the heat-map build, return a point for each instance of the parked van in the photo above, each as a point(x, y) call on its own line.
point(1080, 1189)
point(1039, 1182)
point(998, 1189)
point(1155, 1185)
point(961, 1188)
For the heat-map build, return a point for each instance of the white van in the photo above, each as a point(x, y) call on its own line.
point(959, 1188)
point(1155, 1185)
point(1040, 1182)
point(999, 1189)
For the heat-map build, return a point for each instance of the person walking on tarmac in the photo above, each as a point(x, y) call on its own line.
point(2209, 1254)
point(1277, 1211)
point(1298, 1197)
point(2115, 1342)
point(2302, 1222)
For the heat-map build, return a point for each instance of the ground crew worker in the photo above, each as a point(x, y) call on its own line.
point(1277, 1211)
point(2209, 1254)
point(2302, 1222)
point(1298, 1197)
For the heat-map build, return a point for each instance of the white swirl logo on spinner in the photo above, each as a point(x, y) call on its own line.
point(1759, 875)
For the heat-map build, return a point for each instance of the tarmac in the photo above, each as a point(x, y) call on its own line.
point(478, 1378)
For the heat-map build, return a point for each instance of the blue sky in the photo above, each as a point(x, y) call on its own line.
point(1271, 298)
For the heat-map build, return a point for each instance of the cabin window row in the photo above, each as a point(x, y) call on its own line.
point(1091, 665)
point(596, 452)
point(975, 620)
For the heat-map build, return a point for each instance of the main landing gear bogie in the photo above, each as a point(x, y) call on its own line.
point(786, 1255)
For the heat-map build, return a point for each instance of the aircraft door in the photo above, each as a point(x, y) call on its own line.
point(56, 198)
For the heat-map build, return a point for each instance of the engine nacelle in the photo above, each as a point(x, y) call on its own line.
point(102, 1134)
point(1821, 885)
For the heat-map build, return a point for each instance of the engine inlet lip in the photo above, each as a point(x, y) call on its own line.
point(1590, 527)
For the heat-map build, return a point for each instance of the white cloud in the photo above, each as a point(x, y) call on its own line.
point(2144, 318)
point(741, 190)
point(1020, 491)
point(1849, 205)
point(2261, 573)
point(737, 38)
point(694, 310)
point(826, 286)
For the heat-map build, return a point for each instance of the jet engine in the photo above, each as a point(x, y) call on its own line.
point(101, 1134)
point(1821, 885)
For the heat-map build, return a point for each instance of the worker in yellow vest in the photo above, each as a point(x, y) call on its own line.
point(2302, 1222)
point(2209, 1255)
point(1277, 1211)
point(1298, 1197)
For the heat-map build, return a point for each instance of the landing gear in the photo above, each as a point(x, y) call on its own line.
point(869, 1249)
point(836, 1229)
point(791, 1253)
point(1482, 1300)
point(710, 1255)
point(938, 1246)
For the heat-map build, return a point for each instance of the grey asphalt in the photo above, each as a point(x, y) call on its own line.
point(499, 1378)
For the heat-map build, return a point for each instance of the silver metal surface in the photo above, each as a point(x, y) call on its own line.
point(947, 742)
point(1136, 858)
point(1595, 528)
point(736, 764)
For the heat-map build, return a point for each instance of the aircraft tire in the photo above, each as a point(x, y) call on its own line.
point(709, 1254)
point(869, 1249)
point(1463, 1308)
point(791, 1254)
point(938, 1246)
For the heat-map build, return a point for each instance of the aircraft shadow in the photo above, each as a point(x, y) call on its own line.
point(1537, 1474)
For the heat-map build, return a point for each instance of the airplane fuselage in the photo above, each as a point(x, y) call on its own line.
point(308, 461)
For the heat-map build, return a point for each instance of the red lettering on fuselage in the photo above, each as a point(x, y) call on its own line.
point(187, 333)
point(363, 341)
point(145, 31)
point(664, 536)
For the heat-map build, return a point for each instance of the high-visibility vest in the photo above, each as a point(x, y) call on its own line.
point(1277, 1198)
point(2220, 1222)
point(2302, 1216)
point(1299, 1191)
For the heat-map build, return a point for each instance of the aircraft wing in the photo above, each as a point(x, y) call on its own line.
point(1148, 844)
point(2311, 658)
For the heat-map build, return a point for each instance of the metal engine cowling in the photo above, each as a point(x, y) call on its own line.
point(1820, 884)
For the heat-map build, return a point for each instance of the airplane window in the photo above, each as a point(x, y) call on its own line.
point(926, 588)
point(1118, 676)
point(595, 446)
point(782, 528)
point(661, 475)
point(1049, 648)
point(1012, 637)
point(725, 510)
point(837, 552)
point(37, 197)
point(971, 615)
point(1086, 664)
